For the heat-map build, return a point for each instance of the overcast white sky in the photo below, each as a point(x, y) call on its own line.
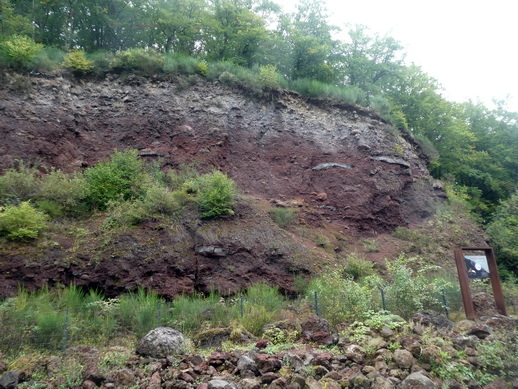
point(470, 46)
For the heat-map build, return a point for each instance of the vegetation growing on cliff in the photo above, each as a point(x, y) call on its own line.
point(254, 44)
point(130, 191)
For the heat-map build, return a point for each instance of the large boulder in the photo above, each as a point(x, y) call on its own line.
point(315, 324)
point(221, 384)
point(161, 342)
point(417, 381)
point(403, 358)
point(433, 318)
point(9, 380)
point(355, 353)
point(247, 362)
point(267, 363)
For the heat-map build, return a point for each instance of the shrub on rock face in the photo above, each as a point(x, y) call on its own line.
point(215, 193)
point(119, 178)
point(19, 184)
point(77, 62)
point(148, 61)
point(19, 51)
point(22, 223)
point(161, 342)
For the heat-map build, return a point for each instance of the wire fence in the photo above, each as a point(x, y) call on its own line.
point(58, 329)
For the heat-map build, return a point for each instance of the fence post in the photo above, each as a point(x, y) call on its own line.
point(159, 313)
point(65, 332)
point(445, 303)
point(317, 310)
point(242, 306)
point(383, 300)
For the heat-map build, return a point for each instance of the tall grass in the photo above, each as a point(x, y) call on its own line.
point(190, 313)
point(41, 319)
point(180, 64)
point(263, 306)
point(49, 59)
point(138, 312)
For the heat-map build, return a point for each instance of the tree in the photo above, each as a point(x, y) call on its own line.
point(177, 25)
point(313, 49)
point(12, 23)
point(235, 32)
point(503, 231)
point(370, 62)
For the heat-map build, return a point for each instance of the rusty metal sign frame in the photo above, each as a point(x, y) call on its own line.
point(464, 281)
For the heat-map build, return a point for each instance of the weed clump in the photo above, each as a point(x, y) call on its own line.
point(283, 217)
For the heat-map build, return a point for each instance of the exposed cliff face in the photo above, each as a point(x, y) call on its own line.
point(280, 146)
point(343, 166)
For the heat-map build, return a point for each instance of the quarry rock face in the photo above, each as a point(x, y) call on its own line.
point(277, 146)
point(342, 165)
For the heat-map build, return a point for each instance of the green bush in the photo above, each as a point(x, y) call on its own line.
point(49, 59)
point(119, 178)
point(161, 200)
point(503, 231)
point(123, 214)
point(370, 245)
point(148, 61)
point(344, 94)
point(308, 87)
point(48, 332)
point(51, 208)
point(19, 51)
point(175, 179)
point(322, 241)
point(77, 62)
point(269, 76)
point(22, 223)
point(232, 74)
point(410, 291)
point(216, 69)
point(357, 267)
point(67, 192)
point(342, 299)
point(137, 312)
point(190, 313)
point(380, 105)
point(426, 146)
point(180, 64)
point(102, 61)
point(19, 184)
point(202, 68)
point(283, 217)
point(215, 193)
